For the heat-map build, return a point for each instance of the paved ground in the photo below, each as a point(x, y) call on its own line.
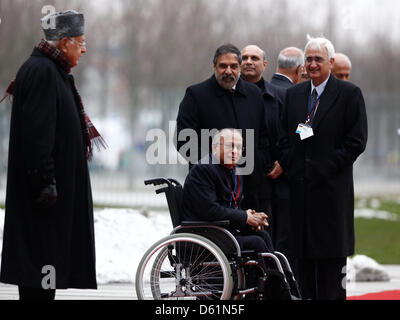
point(126, 291)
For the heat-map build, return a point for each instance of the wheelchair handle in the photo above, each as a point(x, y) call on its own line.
point(166, 189)
point(156, 181)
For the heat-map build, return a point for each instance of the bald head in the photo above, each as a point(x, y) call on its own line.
point(342, 67)
point(253, 64)
point(290, 63)
point(255, 48)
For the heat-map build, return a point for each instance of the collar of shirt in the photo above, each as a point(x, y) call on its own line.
point(283, 75)
point(319, 88)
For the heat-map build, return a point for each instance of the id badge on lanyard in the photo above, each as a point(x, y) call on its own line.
point(304, 129)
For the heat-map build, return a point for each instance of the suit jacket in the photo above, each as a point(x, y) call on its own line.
point(207, 196)
point(281, 81)
point(208, 106)
point(273, 100)
point(320, 168)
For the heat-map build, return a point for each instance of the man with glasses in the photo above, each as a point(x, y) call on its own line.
point(324, 130)
point(49, 231)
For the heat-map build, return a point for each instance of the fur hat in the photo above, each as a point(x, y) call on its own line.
point(64, 24)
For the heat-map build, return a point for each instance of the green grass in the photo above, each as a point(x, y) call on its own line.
point(379, 239)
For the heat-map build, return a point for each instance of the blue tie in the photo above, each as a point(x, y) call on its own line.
point(314, 97)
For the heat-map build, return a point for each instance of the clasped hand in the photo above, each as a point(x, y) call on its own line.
point(257, 220)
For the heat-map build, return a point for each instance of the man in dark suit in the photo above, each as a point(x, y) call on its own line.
point(253, 65)
point(213, 191)
point(227, 101)
point(324, 130)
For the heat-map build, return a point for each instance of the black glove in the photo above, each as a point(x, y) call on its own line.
point(43, 186)
point(47, 197)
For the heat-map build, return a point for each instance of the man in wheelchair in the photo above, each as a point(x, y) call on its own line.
point(213, 191)
point(217, 250)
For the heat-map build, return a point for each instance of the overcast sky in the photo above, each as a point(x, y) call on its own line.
point(357, 19)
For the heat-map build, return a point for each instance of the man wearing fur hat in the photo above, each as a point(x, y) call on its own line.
point(48, 232)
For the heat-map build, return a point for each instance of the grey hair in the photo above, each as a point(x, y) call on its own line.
point(217, 137)
point(290, 61)
point(319, 44)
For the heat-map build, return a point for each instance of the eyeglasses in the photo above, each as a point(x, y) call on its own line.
point(230, 146)
point(305, 76)
point(80, 44)
point(316, 59)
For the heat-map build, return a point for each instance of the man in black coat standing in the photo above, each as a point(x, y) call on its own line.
point(49, 231)
point(253, 65)
point(324, 126)
point(227, 101)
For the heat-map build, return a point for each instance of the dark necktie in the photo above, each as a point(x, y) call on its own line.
point(234, 180)
point(314, 97)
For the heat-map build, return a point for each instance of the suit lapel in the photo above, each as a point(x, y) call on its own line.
point(302, 99)
point(327, 100)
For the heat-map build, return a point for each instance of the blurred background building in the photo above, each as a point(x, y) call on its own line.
point(142, 54)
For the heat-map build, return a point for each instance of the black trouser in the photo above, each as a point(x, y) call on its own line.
point(259, 241)
point(280, 225)
point(36, 293)
point(322, 279)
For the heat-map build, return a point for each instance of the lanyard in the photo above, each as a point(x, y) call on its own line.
point(234, 194)
point(314, 109)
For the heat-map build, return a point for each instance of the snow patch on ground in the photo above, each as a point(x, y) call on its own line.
point(374, 214)
point(122, 237)
point(363, 268)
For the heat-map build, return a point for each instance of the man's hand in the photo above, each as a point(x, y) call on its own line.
point(276, 171)
point(46, 198)
point(257, 220)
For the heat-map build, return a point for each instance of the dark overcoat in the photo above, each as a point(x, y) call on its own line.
point(46, 137)
point(208, 106)
point(281, 81)
point(320, 168)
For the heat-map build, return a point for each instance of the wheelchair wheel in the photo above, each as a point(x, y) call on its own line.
point(184, 266)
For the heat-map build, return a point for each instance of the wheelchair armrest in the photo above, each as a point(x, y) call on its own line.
point(224, 223)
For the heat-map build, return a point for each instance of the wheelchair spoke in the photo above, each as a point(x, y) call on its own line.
point(187, 268)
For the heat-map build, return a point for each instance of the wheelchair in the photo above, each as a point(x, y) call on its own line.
point(203, 261)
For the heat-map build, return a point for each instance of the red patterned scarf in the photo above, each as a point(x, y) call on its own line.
point(90, 131)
